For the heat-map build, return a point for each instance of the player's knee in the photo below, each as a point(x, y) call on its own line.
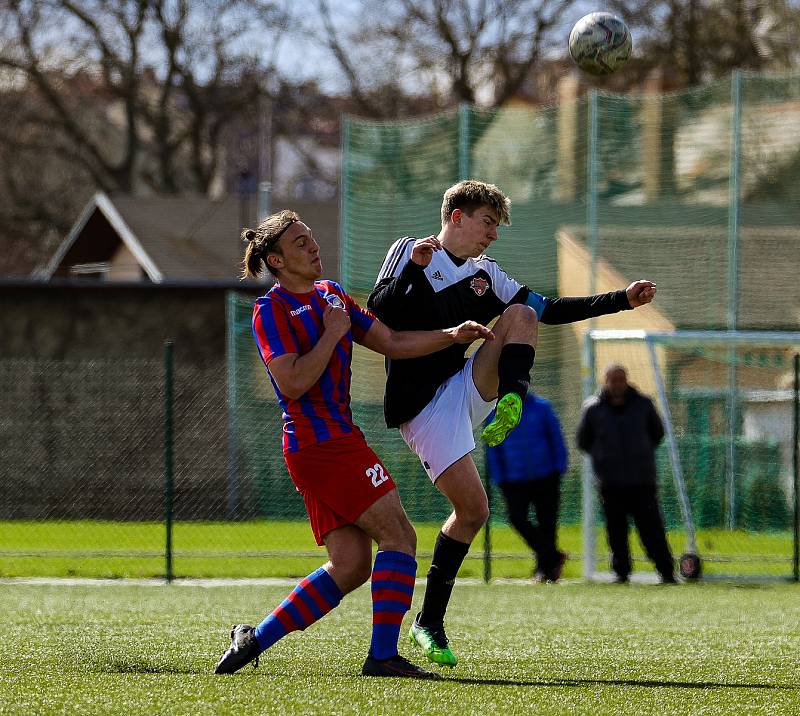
point(399, 536)
point(521, 313)
point(410, 538)
point(359, 572)
point(351, 572)
point(519, 321)
point(473, 516)
point(363, 572)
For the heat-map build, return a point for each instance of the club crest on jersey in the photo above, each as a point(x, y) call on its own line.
point(479, 285)
point(335, 301)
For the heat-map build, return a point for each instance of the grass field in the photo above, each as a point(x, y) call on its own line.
point(570, 648)
point(93, 548)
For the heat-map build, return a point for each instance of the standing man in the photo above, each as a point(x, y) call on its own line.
point(436, 401)
point(304, 329)
point(527, 467)
point(620, 430)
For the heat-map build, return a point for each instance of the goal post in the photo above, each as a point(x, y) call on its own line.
point(728, 464)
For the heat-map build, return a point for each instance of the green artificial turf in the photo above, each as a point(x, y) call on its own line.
point(571, 648)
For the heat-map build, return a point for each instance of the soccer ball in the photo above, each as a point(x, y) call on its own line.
point(600, 43)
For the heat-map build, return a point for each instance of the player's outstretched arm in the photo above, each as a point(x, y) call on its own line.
point(295, 373)
point(412, 344)
point(568, 309)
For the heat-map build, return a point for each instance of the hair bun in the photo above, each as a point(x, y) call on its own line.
point(248, 235)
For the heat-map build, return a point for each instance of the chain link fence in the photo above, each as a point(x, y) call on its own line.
point(84, 483)
point(147, 469)
point(696, 190)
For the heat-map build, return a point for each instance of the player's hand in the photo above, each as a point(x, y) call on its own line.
point(640, 293)
point(470, 331)
point(422, 253)
point(336, 321)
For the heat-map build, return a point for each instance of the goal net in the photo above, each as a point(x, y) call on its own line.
point(728, 463)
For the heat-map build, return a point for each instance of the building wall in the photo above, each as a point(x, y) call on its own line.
point(574, 279)
point(82, 418)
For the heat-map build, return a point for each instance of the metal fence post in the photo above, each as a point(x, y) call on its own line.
point(344, 196)
point(588, 354)
point(487, 532)
point(168, 455)
point(733, 290)
point(464, 168)
point(591, 190)
point(233, 432)
point(587, 483)
point(796, 466)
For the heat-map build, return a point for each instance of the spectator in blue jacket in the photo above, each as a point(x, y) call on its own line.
point(527, 467)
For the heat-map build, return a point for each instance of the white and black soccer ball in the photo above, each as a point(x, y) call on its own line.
point(600, 43)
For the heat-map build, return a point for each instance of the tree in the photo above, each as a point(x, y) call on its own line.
point(700, 40)
point(123, 96)
point(458, 50)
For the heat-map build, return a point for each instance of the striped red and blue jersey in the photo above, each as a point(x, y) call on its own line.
point(286, 322)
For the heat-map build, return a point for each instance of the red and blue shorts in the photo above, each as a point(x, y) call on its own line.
point(338, 479)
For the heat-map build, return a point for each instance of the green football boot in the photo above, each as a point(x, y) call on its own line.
point(506, 418)
point(433, 642)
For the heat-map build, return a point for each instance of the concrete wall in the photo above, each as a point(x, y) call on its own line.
point(82, 409)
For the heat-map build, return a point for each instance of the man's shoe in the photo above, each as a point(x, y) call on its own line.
point(506, 418)
point(243, 649)
point(395, 666)
point(433, 642)
point(552, 575)
point(620, 579)
point(668, 579)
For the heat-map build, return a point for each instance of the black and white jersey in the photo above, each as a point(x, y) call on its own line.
point(447, 292)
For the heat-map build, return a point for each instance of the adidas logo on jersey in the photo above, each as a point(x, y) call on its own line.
point(438, 276)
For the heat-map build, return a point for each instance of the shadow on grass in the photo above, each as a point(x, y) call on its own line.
point(129, 666)
point(132, 666)
point(644, 683)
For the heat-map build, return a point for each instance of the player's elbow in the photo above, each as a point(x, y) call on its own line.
point(290, 388)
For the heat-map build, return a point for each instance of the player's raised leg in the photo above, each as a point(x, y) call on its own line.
point(502, 368)
point(462, 486)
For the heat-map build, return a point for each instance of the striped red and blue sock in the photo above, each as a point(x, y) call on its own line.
point(310, 600)
point(392, 588)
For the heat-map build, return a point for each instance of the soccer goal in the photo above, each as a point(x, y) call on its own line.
point(728, 466)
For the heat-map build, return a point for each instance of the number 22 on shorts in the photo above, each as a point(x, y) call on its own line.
point(376, 474)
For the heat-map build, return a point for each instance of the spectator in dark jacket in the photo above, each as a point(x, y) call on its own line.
point(620, 430)
point(527, 467)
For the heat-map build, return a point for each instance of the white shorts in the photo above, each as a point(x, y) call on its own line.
point(442, 432)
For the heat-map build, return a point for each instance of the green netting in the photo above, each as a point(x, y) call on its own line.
point(696, 190)
point(729, 400)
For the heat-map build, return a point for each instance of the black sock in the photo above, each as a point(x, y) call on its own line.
point(448, 554)
point(514, 369)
